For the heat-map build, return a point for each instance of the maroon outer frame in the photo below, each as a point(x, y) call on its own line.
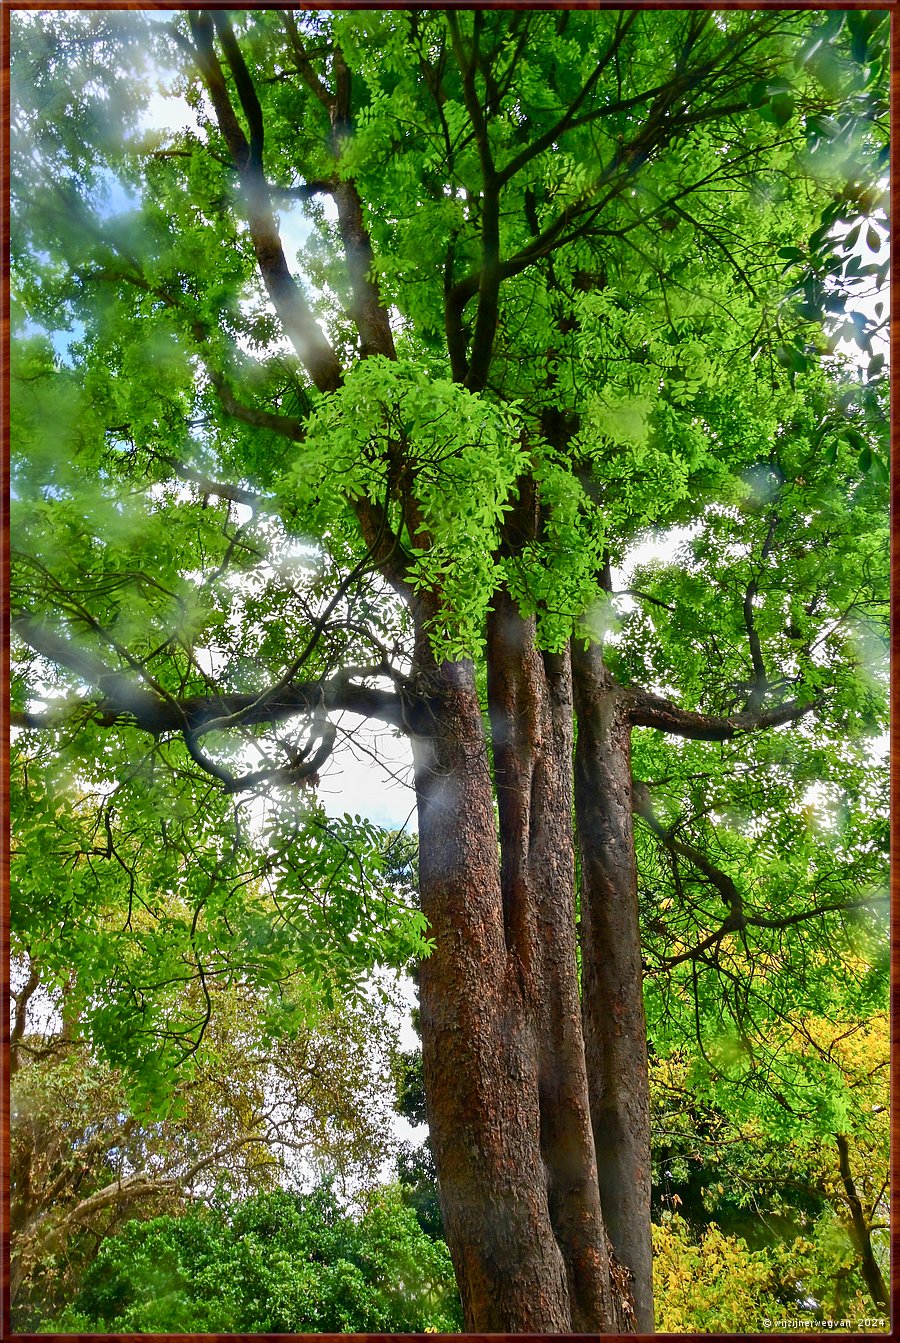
point(6, 6)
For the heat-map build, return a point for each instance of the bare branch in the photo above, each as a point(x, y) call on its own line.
point(722, 882)
point(20, 1015)
point(122, 698)
point(260, 419)
point(234, 493)
point(304, 65)
point(367, 310)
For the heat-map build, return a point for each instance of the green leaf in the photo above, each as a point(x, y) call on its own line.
point(880, 469)
point(859, 46)
point(792, 358)
point(850, 241)
point(783, 107)
point(812, 312)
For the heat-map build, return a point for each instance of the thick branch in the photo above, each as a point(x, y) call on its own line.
point(19, 1017)
point(195, 714)
point(260, 419)
point(41, 721)
point(312, 348)
point(234, 493)
point(368, 311)
point(648, 710)
point(213, 78)
point(861, 1231)
point(303, 191)
point(729, 892)
point(490, 275)
point(244, 84)
point(119, 691)
point(304, 65)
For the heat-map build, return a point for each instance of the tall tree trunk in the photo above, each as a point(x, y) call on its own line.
point(511, 1139)
point(530, 704)
point(478, 1061)
point(615, 1027)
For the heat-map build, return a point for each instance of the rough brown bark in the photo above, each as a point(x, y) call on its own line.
point(612, 999)
point(530, 703)
point(509, 1126)
point(485, 1127)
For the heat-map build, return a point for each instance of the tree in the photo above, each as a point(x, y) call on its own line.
point(538, 314)
point(714, 1286)
point(808, 1189)
point(274, 1263)
point(252, 1112)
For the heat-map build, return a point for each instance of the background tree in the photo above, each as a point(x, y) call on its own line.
point(814, 1201)
point(274, 1263)
point(252, 1113)
point(539, 313)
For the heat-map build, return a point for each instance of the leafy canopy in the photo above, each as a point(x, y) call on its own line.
point(584, 227)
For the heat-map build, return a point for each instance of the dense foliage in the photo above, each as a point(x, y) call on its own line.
point(276, 1263)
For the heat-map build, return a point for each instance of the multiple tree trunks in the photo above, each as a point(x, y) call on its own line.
point(506, 1070)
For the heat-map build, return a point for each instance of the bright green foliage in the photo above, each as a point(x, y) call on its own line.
point(824, 1267)
point(464, 453)
point(276, 1263)
point(143, 898)
point(768, 851)
point(657, 199)
point(777, 1180)
point(649, 331)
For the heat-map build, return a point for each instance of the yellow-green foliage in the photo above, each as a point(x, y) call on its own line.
point(716, 1285)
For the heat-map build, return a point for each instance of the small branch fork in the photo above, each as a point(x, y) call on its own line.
point(738, 919)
